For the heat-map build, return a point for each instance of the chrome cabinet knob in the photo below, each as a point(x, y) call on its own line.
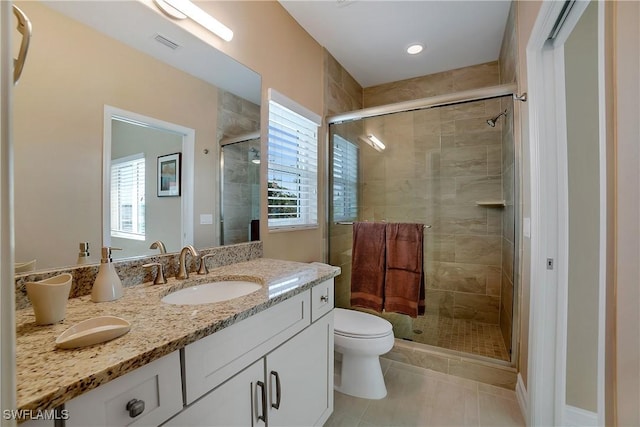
point(324, 298)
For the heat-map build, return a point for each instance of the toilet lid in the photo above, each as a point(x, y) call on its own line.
point(352, 323)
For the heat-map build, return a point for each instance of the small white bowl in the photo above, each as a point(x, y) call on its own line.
point(93, 331)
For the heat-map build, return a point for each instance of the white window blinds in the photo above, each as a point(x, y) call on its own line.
point(128, 197)
point(345, 179)
point(293, 164)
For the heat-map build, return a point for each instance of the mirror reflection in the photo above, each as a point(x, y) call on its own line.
point(136, 150)
point(240, 204)
point(75, 70)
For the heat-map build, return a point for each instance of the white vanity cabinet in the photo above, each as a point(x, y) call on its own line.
point(145, 397)
point(273, 368)
point(287, 380)
point(290, 386)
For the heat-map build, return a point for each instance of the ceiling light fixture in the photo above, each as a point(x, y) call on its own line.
point(182, 9)
point(374, 142)
point(415, 49)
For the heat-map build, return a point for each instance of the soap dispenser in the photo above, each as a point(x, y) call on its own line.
point(107, 286)
point(83, 255)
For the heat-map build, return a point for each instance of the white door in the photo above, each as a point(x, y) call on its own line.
point(568, 206)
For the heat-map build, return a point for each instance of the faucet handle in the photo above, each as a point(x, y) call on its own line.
point(203, 265)
point(160, 279)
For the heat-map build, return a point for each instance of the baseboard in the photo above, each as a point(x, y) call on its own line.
point(577, 417)
point(523, 399)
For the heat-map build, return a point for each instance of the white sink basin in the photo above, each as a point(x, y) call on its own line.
point(211, 292)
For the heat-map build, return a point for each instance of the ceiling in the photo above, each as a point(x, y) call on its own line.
point(369, 38)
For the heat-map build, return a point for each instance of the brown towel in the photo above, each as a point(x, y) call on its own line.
point(368, 265)
point(404, 277)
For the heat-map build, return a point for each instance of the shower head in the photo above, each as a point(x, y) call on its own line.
point(492, 122)
point(254, 156)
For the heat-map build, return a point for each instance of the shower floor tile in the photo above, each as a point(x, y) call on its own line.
point(469, 336)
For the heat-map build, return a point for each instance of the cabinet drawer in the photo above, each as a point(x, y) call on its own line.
point(213, 359)
point(322, 299)
point(158, 384)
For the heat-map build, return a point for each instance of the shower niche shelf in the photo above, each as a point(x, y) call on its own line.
point(491, 203)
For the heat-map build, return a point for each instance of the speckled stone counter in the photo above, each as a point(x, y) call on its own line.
point(48, 377)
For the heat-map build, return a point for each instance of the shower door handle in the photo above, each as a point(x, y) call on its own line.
point(24, 28)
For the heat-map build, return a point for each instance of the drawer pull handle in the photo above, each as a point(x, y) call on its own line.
point(278, 390)
point(135, 407)
point(324, 298)
point(263, 417)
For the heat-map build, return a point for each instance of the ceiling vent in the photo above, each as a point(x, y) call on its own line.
point(345, 3)
point(165, 41)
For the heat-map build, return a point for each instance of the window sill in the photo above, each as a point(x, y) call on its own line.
point(286, 228)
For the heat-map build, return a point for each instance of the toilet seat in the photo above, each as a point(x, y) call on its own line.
point(356, 324)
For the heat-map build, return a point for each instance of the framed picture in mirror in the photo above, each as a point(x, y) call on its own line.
point(169, 175)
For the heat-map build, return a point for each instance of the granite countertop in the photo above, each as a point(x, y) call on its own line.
point(48, 376)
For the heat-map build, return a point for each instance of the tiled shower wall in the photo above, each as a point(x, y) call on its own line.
point(237, 116)
point(241, 200)
point(342, 94)
point(508, 61)
point(464, 247)
point(438, 164)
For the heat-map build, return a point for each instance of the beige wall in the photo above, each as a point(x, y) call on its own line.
point(581, 84)
point(269, 41)
point(58, 131)
point(526, 14)
point(627, 233)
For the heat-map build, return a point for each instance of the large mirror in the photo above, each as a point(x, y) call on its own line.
point(100, 77)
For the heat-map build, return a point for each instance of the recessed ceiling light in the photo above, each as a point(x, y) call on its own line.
point(415, 49)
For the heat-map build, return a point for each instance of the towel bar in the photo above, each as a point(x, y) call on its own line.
point(351, 223)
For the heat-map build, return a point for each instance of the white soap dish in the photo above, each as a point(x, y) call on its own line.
point(93, 331)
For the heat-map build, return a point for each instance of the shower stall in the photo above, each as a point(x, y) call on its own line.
point(448, 164)
point(240, 189)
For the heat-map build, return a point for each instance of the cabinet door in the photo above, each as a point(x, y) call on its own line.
point(237, 402)
point(300, 377)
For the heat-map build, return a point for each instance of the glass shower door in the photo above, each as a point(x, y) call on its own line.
point(240, 195)
point(451, 168)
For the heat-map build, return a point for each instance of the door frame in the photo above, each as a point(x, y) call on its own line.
point(550, 216)
point(188, 167)
point(7, 280)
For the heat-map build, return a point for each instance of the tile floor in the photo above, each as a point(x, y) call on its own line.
point(469, 336)
point(421, 397)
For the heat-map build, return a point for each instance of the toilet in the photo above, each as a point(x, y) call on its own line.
point(359, 340)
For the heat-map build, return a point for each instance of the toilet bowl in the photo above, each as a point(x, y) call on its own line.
point(359, 340)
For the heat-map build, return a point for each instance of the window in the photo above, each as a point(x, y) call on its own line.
point(293, 164)
point(128, 197)
point(345, 179)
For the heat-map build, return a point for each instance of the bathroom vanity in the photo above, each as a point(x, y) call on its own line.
point(264, 358)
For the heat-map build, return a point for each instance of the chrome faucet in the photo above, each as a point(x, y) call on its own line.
point(183, 272)
point(159, 245)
